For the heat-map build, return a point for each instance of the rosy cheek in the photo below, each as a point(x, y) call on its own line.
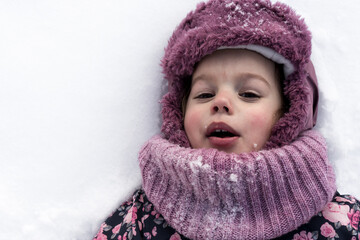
point(261, 124)
point(192, 121)
point(258, 119)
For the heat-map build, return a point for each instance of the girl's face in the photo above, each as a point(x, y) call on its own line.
point(234, 101)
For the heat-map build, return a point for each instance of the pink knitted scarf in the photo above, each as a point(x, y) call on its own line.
point(209, 194)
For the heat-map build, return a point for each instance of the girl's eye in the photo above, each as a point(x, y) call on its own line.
point(249, 95)
point(205, 95)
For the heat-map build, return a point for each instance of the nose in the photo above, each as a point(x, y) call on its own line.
point(222, 104)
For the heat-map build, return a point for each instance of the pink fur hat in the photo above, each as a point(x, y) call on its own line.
point(273, 30)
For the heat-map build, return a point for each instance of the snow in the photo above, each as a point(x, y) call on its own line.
point(233, 177)
point(79, 88)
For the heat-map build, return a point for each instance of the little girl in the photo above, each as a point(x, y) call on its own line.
point(237, 158)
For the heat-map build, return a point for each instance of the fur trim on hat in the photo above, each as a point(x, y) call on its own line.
point(226, 24)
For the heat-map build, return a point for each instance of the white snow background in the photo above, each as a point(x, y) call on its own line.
point(79, 88)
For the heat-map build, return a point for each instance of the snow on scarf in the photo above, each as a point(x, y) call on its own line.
point(209, 194)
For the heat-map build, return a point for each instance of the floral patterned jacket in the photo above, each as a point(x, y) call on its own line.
point(137, 219)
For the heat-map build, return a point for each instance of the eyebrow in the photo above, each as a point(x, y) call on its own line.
point(242, 76)
point(200, 77)
point(246, 76)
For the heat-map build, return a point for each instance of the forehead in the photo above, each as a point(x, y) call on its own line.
point(237, 57)
point(236, 62)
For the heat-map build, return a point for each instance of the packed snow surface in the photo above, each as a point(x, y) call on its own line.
point(80, 83)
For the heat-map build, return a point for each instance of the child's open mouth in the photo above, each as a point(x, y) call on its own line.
point(221, 135)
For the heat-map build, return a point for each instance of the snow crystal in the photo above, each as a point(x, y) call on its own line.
point(228, 17)
point(197, 164)
point(281, 154)
point(233, 177)
point(238, 9)
point(229, 5)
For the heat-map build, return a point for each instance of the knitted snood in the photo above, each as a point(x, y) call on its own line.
point(209, 194)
